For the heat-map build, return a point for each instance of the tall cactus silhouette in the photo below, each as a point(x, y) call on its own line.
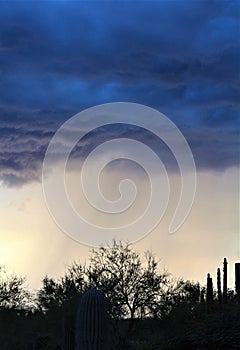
point(225, 280)
point(219, 286)
point(209, 289)
point(202, 299)
point(92, 328)
point(237, 280)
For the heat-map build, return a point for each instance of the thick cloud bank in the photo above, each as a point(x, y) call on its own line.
point(57, 58)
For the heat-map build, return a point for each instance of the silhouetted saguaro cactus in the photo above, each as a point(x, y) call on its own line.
point(225, 280)
point(237, 279)
point(202, 299)
point(92, 329)
point(209, 289)
point(219, 286)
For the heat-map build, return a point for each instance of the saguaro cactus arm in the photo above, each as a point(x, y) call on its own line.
point(209, 289)
point(225, 280)
point(219, 286)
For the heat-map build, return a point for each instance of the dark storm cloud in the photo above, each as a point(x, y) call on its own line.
point(57, 58)
point(22, 147)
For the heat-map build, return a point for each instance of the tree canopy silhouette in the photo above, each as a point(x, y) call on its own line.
point(67, 289)
point(171, 314)
point(133, 286)
point(13, 294)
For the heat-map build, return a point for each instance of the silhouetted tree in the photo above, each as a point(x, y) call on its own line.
point(132, 285)
point(50, 294)
point(176, 293)
point(13, 294)
point(56, 293)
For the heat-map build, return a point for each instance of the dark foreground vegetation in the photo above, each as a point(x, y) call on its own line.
point(147, 309)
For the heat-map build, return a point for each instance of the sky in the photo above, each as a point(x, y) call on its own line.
point(58, 58)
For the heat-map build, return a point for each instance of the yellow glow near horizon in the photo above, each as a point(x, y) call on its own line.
point(32, 245)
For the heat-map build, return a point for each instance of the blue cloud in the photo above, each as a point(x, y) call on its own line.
point(57, 58)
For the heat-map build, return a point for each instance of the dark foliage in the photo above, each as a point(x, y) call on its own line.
point(147, 309)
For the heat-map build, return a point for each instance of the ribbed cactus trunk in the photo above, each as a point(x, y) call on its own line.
point(225, 280)
point(219, 290)
point(209, 289)
point(92, 328)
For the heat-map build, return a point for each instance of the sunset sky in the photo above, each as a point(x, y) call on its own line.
point(181, 58)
